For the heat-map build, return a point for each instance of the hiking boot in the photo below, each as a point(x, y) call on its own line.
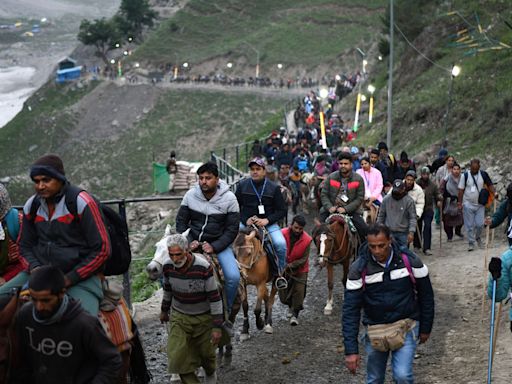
point(471, 247)
point(228, 327)
point(281, 283)
point(294, 321)
point(211, 379)
point(427, 252)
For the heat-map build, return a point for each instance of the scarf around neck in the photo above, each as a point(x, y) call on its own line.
point(56, 317)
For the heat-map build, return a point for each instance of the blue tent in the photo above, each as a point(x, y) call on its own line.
point(69, 74)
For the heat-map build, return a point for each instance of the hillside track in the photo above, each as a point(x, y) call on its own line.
point(312, 352)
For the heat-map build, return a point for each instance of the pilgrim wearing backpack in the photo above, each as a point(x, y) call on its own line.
point(52, 234)
point(475, 190)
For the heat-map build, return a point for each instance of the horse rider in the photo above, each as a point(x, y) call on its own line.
point(11, 263)
point(393, 288)
point(196, 317)
point(210, 210)
point(78, 246)
point(262, 204)
point(58, 341)
point(298, 244)
point(343, 193)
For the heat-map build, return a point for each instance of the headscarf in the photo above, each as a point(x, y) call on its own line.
point(5, 202)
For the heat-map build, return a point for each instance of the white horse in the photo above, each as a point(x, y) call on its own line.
point(155, 266)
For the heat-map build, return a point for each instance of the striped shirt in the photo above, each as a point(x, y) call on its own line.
point(194, 291)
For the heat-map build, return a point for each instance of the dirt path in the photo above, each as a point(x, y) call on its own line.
point(313, 351)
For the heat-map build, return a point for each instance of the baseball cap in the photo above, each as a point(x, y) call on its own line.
point(410, 173)
point(258, 161)
point(398, 185)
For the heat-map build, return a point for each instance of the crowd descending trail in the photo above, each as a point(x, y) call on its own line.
point(312, 352)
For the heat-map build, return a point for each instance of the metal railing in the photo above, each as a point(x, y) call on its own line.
point(227, 172)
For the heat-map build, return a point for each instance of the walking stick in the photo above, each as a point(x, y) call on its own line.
point(496, 331)
point(485, 271)
point(489, 369)
point(420, 235)
point(440, 228)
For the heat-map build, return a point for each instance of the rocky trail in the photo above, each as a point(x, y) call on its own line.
point(312, 352)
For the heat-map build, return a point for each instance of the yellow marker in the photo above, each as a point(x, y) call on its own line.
point(322, 131)
point(370, 112)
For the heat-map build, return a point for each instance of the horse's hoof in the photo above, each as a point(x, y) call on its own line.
point(244, 336)
point(269, 329)
point(259, 324)
point(327, 312)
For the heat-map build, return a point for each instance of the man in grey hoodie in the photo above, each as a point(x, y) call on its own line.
point(211, 212)
point(398, 213)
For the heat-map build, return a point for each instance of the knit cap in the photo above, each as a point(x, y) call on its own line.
point(5, 202)
point(48, 165)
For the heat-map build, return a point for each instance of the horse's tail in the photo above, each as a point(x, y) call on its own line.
point(139, 372)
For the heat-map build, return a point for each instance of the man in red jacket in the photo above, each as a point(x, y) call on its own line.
point(297, 267)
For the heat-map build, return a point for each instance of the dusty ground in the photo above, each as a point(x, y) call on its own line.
point(313, 351)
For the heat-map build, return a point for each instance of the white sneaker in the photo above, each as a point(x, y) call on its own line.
point(289, 314)
point(294, 321)
point(175, 378)
point(212, 379)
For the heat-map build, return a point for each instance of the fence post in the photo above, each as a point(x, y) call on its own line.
point(127, 290)
point(237, 158)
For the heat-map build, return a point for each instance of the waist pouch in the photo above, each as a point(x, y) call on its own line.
point(390, 337)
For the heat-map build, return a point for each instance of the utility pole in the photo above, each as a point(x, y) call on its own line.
point(390, 74)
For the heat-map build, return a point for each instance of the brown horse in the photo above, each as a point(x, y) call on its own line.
point(335, 244)
point(256, 270)
point(370, 213)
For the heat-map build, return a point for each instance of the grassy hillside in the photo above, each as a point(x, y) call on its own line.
point(115, 160)
point(481, 109)
point(297, 33)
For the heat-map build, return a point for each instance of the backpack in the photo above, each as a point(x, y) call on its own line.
point(121, 255)
point(485, 197)
point(302, 165)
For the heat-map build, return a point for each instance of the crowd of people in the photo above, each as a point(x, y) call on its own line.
point(59, 252)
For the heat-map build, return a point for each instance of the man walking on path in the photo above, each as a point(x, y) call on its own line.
point(415, 191)
point(470, 185)
point(297, 258)
point(432, 199)
point(393, 288)
point(196, 319)
point(397, 212)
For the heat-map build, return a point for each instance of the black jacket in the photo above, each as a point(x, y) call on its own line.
point(215, 221)
point(386, 296)
point(74, 350)
point(272, 200)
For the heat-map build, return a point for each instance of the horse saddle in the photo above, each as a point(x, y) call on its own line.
point(342, 219)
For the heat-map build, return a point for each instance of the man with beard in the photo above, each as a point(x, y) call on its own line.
point(398, 213)
point(379, 165)
point(343, 193)
point(59, 342)
point(470, 185)
point(297, 258)
point(210, 210)
point(191, 291)
point(415, 191)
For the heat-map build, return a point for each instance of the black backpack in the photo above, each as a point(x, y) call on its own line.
point(121, 255)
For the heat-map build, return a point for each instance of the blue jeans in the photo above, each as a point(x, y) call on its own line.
point(279, 243)
point(400, 238)
point(231, 274)
point(474, 216)
point(401, 361)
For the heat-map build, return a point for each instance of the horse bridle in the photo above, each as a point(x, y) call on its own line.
point(333, 237)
